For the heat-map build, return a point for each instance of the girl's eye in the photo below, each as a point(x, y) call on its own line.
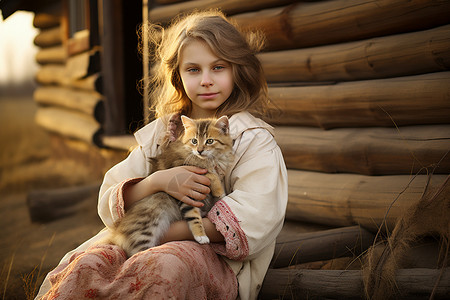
point(218, 68)
point(192, 70)
point(209, 141)
point(194, 141)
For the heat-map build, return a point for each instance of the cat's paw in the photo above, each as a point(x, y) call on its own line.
point(203, 239)
point(221, 196)
point(218, 192)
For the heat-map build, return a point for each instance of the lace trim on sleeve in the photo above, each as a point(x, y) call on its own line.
point(236, 245)
point(120, 203)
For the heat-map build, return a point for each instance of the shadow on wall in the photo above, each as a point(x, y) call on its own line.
point(17, 54)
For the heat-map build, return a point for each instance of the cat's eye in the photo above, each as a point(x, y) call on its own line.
point(194, 141)
point(209, 141)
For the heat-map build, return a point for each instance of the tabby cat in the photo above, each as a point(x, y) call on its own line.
point(205, 143)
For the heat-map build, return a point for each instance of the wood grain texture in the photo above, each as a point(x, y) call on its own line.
point(368, 151)
point(390, 56)
point(309, 24)
point(349, 199)
point(415, 283)
point(409, 100)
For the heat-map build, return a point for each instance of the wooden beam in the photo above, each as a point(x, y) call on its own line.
point(48, 205)
point(51, 55)
point(321, 245)
point(51, 74)
point(113, 68)
point(348, 284)
point(79, 43)
point(48, 37)
point(46, 20)
point(54, 74)
point(163, 2)
point(349, 199)
point(163, 14)
point(90, 83)
point(367, 151)
point(327, 22)
point(391, 56)
point(411, 100)
point(90, 103)
point(83, 64)
point(70, 124)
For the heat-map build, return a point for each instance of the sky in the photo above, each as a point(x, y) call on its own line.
point(17, 51)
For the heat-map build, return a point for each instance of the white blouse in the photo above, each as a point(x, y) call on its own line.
point(249, 217)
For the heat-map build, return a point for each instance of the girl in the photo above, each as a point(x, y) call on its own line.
point(205, 68)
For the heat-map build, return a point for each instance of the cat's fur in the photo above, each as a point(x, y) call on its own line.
point(205, 143)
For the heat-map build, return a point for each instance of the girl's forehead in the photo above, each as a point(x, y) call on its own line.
point(197, 52)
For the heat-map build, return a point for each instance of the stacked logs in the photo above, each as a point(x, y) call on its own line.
point(360, 98)
point(375, 76)
point(69, 92)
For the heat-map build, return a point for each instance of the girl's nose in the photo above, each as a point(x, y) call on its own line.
point(206, 80)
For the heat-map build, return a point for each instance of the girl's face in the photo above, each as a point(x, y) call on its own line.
point(207, 79)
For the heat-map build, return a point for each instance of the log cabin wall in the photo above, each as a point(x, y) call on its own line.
point(360, 95)
point(70, 97)
point(90, 67)
point(69, 93)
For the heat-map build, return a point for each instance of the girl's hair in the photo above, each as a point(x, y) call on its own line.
point(167, 93)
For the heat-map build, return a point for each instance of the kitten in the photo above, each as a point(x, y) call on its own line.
point(206, 144)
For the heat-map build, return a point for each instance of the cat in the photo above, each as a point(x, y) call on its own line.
point(205, 143)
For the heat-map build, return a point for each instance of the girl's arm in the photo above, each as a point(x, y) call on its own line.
point(179, 231)
point(192, 185)
point(185, 183)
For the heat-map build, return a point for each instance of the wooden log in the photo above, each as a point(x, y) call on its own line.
point(51, 55)
point(367, 151)
point(46, 20)
point(164, 2)
point(163, 14)
point(88, 102)
point(348, 199)
point(49, 37)
point(79, 42)
point(392, 56)
point(411, 100)
point(327, 22)
point(321, 245)
point(48, 205)
point(83, 64)
point(90, 83)
point(54, 74)
point(348, 284)
point(70, 124)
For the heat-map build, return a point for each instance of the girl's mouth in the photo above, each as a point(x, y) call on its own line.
point(208, 95)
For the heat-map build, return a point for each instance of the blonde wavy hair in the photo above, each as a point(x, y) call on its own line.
point(167, 94)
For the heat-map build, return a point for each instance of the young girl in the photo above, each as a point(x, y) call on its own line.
point(205, 68)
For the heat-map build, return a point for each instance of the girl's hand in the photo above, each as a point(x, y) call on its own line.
point(186, 183)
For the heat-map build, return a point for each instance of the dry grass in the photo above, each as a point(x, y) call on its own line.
point(28, 250)
point(428, 217)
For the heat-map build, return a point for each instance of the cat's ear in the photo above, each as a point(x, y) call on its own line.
point(173, 128)
point(187, 122)
point(223, 124)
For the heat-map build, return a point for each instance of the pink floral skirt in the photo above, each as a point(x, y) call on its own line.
point(176, 270)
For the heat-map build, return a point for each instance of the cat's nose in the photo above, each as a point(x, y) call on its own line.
point(200, 152)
